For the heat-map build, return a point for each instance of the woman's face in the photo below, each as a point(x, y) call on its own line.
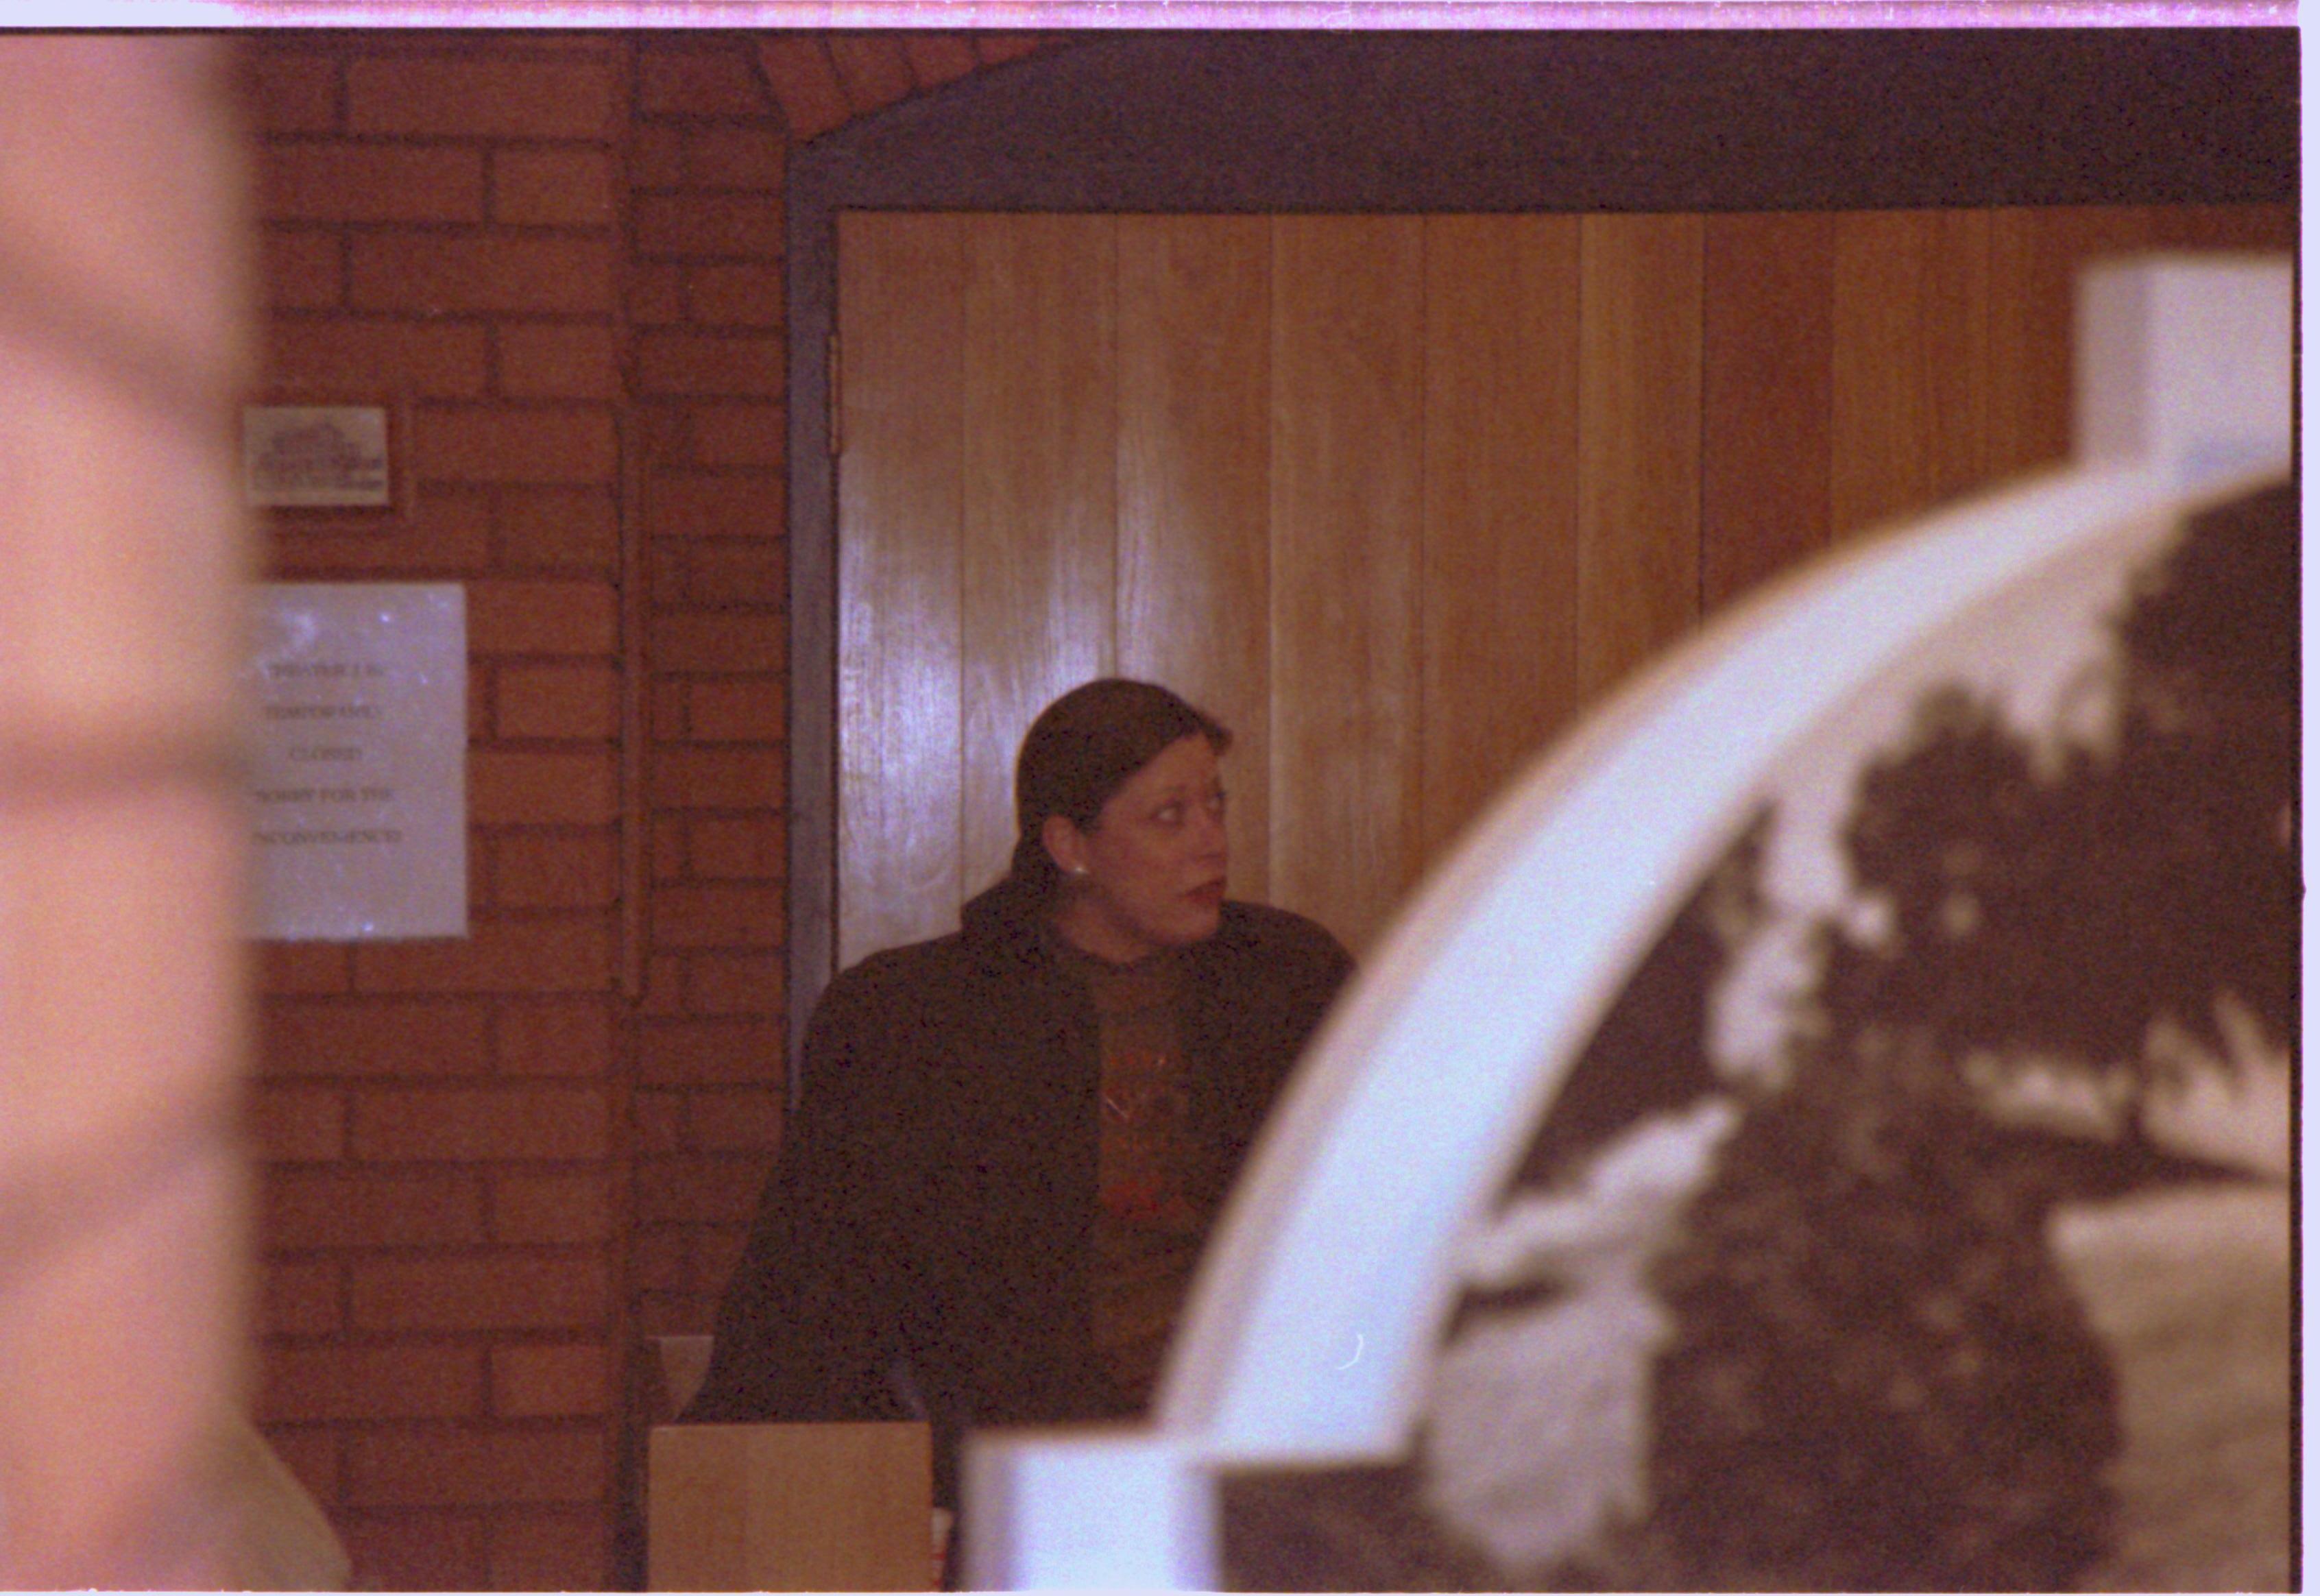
point(1150, 873)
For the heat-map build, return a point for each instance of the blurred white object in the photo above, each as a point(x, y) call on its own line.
point(2187, 362)
point(1311, 1330)
point(1539, 1431)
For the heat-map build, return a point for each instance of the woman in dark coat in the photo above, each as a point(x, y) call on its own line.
point(1014, 1139)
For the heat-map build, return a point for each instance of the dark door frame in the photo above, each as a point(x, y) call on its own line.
point(1569, 121)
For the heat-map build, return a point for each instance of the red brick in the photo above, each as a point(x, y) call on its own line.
point(718, 917)
point(294, 94)
point(702, 1190)
point(299, 1296)
point(936, 58)
point(727, 849)
point(665, 702)
point(348, 180)
point(565, 953)
point(805, 80)
point(304, 270)
point(495, 1292)
point(312, 1455)
point(684, 81)
point(304, 1210)
point(447, 1467)
point(661, 431)
point(661, 1260)
point(747, 1121)
point(739, 435)
point(716, 778)
point(745, 709)
point(341, 1383)
point(560, 701)
point(553, 870)
point(664, 986)
point(535, 616)
point(550, 1209)
point(716, 1254)
point(756, 572)
point(658, 1122)
point(374, 1038)
point(565, 1380)
point(685, 363)
point(537, 788)
point(748, 984)
point(729, 295)
point(443, 274)
point(733, 505)
point(479, 1125)
point(870, 69)
point(550, 1551)
point(510, 99)
point(573, 1039)
point(733, 157)
point(557, 527)
point(481, 443)
point(558, 360)
point(997, 47)
point(692, 1051)
point(707, 226)
point(431, 358)
point(408, 1551)
point(669, 850)
point(286, 969)
point(656, 295)
point(297, 1125)
point(656, 158)
point(713, 644)
point(553, 187)
point(483, 676)
point(442, 531)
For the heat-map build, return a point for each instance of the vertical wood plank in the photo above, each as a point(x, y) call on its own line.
point(1194, 598)
point(1500, 563)
point(1347, 441)
point(2036, 254)
point(1639, 377)
point(1039, 507)
point(1766, 333)
point(900, 316)
point(1909, 388)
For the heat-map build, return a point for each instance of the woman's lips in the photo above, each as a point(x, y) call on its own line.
point(1209, 896)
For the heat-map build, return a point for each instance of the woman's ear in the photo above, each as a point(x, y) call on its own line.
point(1065, 844)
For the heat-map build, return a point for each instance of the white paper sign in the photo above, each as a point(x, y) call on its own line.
point(358, 811)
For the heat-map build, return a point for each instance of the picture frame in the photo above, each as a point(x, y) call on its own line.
point(310, 454)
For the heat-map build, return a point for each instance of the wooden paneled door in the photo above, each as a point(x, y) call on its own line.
point(1394, 497)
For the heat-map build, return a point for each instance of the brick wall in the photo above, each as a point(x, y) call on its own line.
point(441, 1123)
point(491, 1165)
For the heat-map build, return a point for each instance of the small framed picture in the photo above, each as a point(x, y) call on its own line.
point(317, 456)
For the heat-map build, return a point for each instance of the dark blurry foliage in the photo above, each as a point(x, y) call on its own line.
point(1881, 1379)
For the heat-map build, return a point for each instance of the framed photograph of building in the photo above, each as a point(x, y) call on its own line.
point(318, 456)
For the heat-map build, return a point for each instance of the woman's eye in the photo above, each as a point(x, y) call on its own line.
point(1170, 814)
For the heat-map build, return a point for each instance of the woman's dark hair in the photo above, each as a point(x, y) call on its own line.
point(1080, 751)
